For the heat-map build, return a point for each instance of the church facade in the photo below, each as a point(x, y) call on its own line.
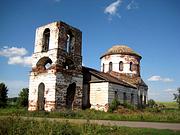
point(58, 80)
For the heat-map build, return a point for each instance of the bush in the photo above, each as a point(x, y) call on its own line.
point(113, 106)
point(129, 106)
point(151, 103)
point(156, 108)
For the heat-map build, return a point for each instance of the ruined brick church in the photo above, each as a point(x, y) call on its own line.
point(58, 80)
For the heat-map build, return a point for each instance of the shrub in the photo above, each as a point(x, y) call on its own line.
point(113, 106)
point(151, 103)
point(129, 106)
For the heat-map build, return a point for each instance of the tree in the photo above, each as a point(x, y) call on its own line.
point(23, 97)
point(3, 95)
point(177, 97)
point(151, 103)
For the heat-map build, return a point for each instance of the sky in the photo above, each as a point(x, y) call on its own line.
point(149, 27)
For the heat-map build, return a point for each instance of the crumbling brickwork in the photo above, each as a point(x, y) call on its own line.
point(57, 63)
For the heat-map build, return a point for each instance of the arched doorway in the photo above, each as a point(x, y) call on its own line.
point(71, 90)
point(41, 99)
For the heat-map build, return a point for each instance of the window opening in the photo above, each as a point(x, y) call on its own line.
point(46, 37)
point(130, 68)
point(110, 66)
point(120, 66)
point(103, 67)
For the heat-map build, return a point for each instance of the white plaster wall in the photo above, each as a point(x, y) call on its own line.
point(115, 59)
point(52, 54)
point(53, 42)
point(98, 95)
point(120, 90)
point(49, 81)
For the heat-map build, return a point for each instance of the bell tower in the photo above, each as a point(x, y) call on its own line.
point(56, 77)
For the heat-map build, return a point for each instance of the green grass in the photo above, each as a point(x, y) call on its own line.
point(169, 105)
point(15, 125)
point(163, 116)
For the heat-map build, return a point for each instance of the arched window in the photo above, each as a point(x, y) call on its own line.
point(110, 66)
point(120, 66)
point(46, 36)
point(130, 66)
point(68, 64)
point(70, 41)
point(103, 67)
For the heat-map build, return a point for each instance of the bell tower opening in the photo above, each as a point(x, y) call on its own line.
point(46, 37)
point(44, 64)
point(68, 64)
point(70, 41)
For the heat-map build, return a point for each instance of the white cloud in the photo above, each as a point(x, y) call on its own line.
point(16, 56)
point(170, 90)
point(112, 9)
point(18, 60)
point(13, 51)
point(132, 5)
point(159, 78)
point(167, 80)
point(154, 78)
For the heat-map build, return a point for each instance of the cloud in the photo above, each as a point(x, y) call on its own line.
point(170, 90)
point(112, 9)
point(18, 60)
point(159, 78)
point(16, 56)
point(132, 5)
point(13, 51)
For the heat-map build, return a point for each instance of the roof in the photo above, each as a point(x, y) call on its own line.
point(121, 49)
point(108, 78)
point(135, 80)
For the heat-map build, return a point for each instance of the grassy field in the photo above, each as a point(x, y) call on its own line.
point(169, 105)
point(165, 115)
point(15, 125)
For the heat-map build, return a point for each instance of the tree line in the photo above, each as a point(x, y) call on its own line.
point(21, 100)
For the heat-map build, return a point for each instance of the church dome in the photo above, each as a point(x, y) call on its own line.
point(121, 49)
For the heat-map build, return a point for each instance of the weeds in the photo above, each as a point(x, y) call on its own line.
point(148, 114)
point(16, 125)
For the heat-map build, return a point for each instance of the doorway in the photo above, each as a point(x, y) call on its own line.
point(71, 90)
point(41, 99)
